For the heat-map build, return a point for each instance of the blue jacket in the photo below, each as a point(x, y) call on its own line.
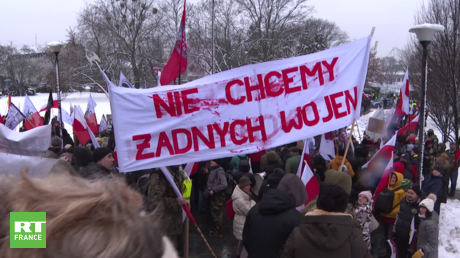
point(432, 184)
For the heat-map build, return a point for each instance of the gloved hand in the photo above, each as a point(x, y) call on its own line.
point(418, 254)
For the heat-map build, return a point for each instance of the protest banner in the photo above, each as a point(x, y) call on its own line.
point(243, 110)
point(12, 165)
point(29, 143)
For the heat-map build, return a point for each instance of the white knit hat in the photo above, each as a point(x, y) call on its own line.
point(428, 204)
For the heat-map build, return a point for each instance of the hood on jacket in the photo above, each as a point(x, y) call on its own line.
point(399, 179)
point(326, 230)
point(339, 178)
point(244, 166)
point(274, 202)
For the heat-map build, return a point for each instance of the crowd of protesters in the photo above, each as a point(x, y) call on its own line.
point(131, 212)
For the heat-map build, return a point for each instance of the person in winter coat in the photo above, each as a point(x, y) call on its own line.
point(327, 231)
point(403, 169)
point(54, 151)
point(270, 222)
point(388, 219)
point(162, 199)
point(269, 159)
point(442, 196)
point(272, 182)
point(101, 166)
point(433, 138)
point(235, 162)
point(407, 211)
point(292, 164)
point(216, 186)
point(428, 230)
point(433, 184)
point(363, 211)
point(453, 171)
point(242, 203)
point(243, 169)
point(337, 162)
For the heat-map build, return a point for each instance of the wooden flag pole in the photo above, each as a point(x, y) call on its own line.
point(186, 244)
point(205, 241)
point(348, 144)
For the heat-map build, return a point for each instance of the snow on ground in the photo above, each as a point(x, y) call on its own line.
point(449, 230)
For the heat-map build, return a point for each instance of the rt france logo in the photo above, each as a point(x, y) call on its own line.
point(27, 229)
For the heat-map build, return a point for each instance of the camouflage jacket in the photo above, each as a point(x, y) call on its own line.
point(161, 196)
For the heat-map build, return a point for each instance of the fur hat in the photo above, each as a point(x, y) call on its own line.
point(244, 181)
point(428, 203)
point(100, 153)
point(293, 186)
point(332, 198)
point(56, 142)
point(398, 167)
point(366, 194)
point(416, 189)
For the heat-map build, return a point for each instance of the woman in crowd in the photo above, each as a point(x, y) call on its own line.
point(242, 203)
point(363, 210)
point(428, 230)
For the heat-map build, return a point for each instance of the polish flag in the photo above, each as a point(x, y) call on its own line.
point(383, 156)
point(403, 105)
point(55, 105)
point(80, 126)
point(1, 120)
point(326, 148)
point(384, 179)
point(305, 173)
point(411, 126)
point(90, 115)
point(33, 118)
point(191, 168)
point(177, 63)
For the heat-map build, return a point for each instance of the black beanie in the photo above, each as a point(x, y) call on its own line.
point(100, 153)
point(81, 156)
point(332, 198)
point(274, 178)
point(416, 189)
point(440, 169)
point(416, 150)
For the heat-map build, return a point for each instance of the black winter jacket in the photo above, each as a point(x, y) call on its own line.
point(269, 224)
point(406, 212)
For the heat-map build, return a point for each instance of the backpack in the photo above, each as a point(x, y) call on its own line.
point(384, 201)
point(230, 185)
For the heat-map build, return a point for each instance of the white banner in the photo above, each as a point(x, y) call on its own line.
point(29, 143)
point(243, 110)
point(11, 164)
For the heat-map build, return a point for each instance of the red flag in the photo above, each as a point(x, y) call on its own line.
point(307, 176)
point(90, 115)
point(380, 160)
point(177, 63)
point(411, 126)
point(80, 126)
point(1, 120)
point(385, 178)
point(33, 118)
point(403, 104)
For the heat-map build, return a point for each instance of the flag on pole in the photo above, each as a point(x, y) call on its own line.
point(403, 105)
point(14, 117)
point(66, 117)
point(177, 63)
point(383, 156)
point(326, 147)
point(411, 126)
point(191, 168)
point(383, 183)
point(124, 82)
point(170, 179)
point(90, 115)
point(307, 176)
point(49, 105)
point(93, 138)
point(103, 126)
point(1, 120)
point(33, 118)
point(80, 126)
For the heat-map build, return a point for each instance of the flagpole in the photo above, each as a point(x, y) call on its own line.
point(348, 144)
point(212, 31)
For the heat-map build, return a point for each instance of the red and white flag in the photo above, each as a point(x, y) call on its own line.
point(411, 126)
point(326, 147)
point(191, 168)
point(90, 115)
point(55, 105)
point(383, 183)
point(33, 118)
point(306, 174)
point(403, 106)
point(1, 120)
point(177, 63)
point(80, 126)
point(383, 156)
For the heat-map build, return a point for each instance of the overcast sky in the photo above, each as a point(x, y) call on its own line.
point(21, 20)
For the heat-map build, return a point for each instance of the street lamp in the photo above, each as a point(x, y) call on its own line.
point(425, 33)
point(55, 47)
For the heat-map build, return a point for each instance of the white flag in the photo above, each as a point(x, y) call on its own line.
point(124, 82)
point(14, 117)
point(103, 125)
point(326, 147)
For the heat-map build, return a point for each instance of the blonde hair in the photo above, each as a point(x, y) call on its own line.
point(98, 218)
